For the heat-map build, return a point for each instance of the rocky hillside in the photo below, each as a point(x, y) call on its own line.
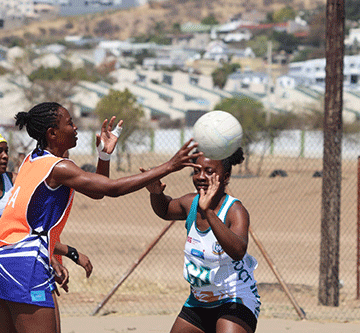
point(122, 24)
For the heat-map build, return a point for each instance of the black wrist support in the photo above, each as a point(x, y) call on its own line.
point(72, 254)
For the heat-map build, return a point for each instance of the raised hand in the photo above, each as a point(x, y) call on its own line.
point(107, 139)
point(182, 158)
point(206, 197)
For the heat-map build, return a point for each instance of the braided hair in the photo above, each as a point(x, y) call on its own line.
point(234, 159)
point(38, 120)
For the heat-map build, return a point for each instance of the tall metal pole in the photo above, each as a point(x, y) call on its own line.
point(269, 85)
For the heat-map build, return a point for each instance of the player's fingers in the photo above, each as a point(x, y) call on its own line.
point(111, 123)
point(89, 270)
point(104, 124)
point(98, 140)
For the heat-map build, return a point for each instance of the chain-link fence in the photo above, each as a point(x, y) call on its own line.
point(282, 194)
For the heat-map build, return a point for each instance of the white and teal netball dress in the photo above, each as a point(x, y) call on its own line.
point(214, 277)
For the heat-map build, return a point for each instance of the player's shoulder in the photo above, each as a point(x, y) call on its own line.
point(65, 167)
point(238, 207)
point(187, 199)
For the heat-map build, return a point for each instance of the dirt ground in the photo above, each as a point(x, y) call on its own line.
point(285, 215)
point(148, 324)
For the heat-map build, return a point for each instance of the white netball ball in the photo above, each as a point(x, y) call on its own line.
point(218, 134)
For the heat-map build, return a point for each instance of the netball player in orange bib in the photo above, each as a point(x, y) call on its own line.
point(7, 180)
point(38, 209)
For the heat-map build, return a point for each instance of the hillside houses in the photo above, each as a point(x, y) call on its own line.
point(173, 82)
point(180, 96)
point(303, 86)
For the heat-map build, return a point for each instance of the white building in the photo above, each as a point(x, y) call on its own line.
point(17, 8)
point(353, 38)
point(314, 70)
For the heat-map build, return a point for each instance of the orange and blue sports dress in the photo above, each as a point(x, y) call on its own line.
point(29, 228)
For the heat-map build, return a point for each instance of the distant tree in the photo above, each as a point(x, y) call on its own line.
point(42, 86)
point(259, 45)
point(3, 71)
point(176, 27)
point(210, 20)
point(287, 42)
point(66, 73)
point(316, 37)
point(106, 28)
point(269, 17)
point(123, 105)
point(161, 39)
point(160, 27)
point(157, 38)
point(352, 10)
point(302, 55)
point(220, 75)
point(284, 14)
point(11, 41)
point(253, 119)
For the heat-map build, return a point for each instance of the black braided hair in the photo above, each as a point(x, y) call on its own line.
point(236, 158)
point(38, 120)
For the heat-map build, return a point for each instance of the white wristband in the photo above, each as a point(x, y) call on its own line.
point(105, 156)
point(102, 155)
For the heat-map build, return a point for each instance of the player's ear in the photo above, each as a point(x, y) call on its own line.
point(50, 134)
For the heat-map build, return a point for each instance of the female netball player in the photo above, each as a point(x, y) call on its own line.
point(223, 292)
point(38, 209)
point(6, 185)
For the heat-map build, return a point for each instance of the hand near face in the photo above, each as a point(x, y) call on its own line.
point(206, 197)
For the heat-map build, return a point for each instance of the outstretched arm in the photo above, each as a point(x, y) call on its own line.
point(97, 186)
